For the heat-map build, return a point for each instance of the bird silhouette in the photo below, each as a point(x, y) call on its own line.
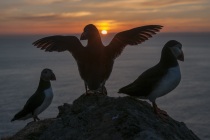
point(40, 100)
point(160, 79)
point(95, 61)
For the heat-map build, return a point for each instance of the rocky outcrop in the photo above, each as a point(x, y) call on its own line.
point(101, 117)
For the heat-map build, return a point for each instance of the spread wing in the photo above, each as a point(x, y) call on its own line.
point(59, 43)
point(131, 37)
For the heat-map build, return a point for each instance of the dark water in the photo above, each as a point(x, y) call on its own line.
point(21, 64)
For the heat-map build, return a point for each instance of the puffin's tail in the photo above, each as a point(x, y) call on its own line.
point(19, 115)
point(123, 89)
point(13, 119)
point(129, 89)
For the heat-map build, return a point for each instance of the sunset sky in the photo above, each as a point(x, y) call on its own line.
point(70, 16)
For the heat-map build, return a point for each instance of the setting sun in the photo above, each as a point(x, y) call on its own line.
point(104, 32)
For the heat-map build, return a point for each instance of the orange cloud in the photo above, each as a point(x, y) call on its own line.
point(61, 16)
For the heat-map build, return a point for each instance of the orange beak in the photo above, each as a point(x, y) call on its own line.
point(181, 56)
point(53, 77)
point(83, 36)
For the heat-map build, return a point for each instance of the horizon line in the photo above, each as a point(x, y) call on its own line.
point(110, 33)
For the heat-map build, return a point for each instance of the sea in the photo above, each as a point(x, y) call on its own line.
point(21, 64)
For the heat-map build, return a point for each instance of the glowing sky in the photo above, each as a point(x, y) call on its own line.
point(70, 16)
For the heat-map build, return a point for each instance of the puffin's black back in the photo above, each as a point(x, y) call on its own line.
point(145, 83)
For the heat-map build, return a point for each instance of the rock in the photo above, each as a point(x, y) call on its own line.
point(101, 117)
point(32, 130)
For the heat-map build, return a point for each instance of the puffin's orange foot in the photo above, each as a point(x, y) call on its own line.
point(161, 113)
point(101, 92)
point(97, 92)
point(90, 92)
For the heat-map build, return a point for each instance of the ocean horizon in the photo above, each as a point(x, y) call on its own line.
point(21, 64)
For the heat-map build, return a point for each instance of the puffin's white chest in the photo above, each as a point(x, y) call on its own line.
point(169, 82)
point(47, 101)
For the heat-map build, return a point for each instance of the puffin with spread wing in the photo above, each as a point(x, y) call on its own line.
point(95, 61)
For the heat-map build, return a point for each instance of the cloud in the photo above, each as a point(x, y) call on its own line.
point(42, 2)
point(117, 14)
point(170, 2)
point(140, 4)
point(76, 14)
point(53, 16)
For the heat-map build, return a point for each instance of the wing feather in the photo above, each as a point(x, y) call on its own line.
point(33, 102)
point(59, 43)
point(133, 36)
point(145, 83)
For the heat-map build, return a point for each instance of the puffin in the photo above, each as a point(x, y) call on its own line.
point(95, 61)
point(40, 100)
point(160, 79)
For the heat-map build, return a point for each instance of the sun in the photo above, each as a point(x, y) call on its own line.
point(104, 32)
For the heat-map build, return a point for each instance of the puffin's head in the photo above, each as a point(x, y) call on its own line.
point(47, 75)
point(176, 49)
point(90, 30)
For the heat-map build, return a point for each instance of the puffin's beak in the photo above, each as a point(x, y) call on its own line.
point(53, 77)
point(83, 36)
point(181, 56)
